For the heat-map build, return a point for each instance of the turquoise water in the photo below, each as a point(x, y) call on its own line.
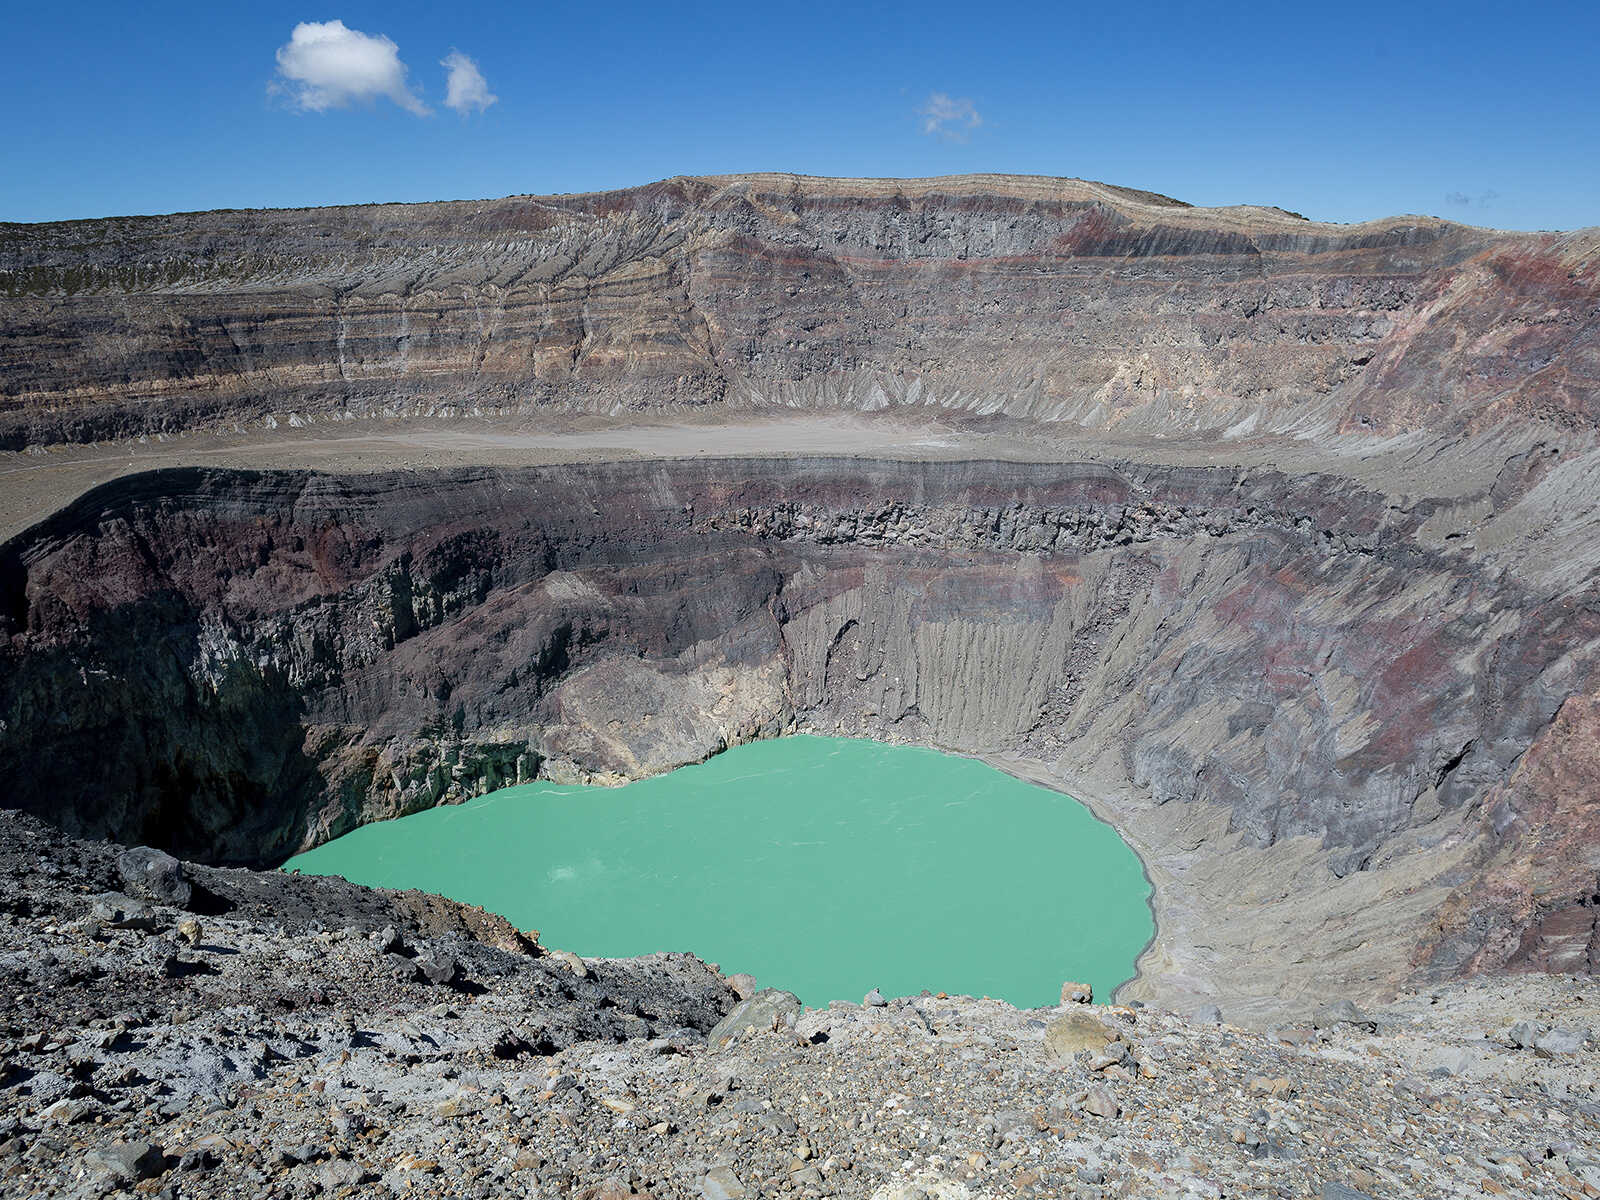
point(826, 866)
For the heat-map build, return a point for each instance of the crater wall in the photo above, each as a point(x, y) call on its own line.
point(1345, 748)
point(1042, 299)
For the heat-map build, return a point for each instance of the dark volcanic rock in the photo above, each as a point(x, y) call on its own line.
point(154, 875)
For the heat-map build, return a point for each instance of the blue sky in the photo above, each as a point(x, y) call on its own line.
point(1486, 113)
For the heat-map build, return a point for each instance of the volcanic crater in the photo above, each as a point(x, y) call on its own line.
point(1272, 541)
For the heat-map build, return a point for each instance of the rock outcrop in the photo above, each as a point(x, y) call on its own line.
point(1290, 571)
point(1274, 672)
point(1042, 299)
point(298, 1048)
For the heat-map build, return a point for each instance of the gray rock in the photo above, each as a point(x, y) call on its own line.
point(129, 1160)
point(874, 999)
point(572, 962)
point(1101, 1103)
point(1560, 1041)
point(743, 985)
point(1342, 1191)
point(1342, 1012)
point(1524, 1034)
point(768, 1009)
point(124, 912)
point(154, 875)
point(1205, 1014)
point(1448, 1060)
point(436, 966)
point(342, 1173)
point(1112, 1055)
point(1411, 1088)
point(720, 1183)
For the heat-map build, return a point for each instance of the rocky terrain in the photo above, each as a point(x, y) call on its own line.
point(1275, 542)
point(1043, 299)
point(1284, 670)
point(179, 1030)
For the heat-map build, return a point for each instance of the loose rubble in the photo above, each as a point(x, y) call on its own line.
point(295, 1037)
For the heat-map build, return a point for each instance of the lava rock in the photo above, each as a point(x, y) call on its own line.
point(154, 875)
point(436, 966)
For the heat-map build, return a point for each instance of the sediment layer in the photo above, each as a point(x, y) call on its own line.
point(1298, 589)
point(1310, 713)
point(1042, 299)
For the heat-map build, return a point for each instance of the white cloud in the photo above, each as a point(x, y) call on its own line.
point(329, 66)
point(948, 117)
point(466, 88)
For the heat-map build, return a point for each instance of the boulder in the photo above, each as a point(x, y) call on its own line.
point(767, 1010)
point(1560, 1041)
point(1076, 993)
point(721, 1183)
point(1076, 1031)
point(124, 912)
point(1101, 1103)
point(436, 966)
point(572, 962)
point(129, 1161)
point(1342, 1012)
point(155, 876)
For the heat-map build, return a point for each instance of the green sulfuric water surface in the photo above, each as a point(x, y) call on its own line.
point(825, 866)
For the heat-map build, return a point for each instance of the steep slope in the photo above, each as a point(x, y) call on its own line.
point(1043, 299)
point(1289, 571)
point(1251, 674)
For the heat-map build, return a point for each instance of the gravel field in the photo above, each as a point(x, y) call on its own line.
point(180, 1030)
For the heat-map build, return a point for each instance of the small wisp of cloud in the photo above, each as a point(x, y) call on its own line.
point(326, 65)
point(1463, 200)
point(466, 89)
point(952, 118)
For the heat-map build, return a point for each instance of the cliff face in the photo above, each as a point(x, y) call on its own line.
point(1279, 673)
point(1042, 299)
point(1301, 593)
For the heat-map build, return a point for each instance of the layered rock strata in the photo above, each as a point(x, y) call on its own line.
point(1042, 299)
point(1321, 723)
